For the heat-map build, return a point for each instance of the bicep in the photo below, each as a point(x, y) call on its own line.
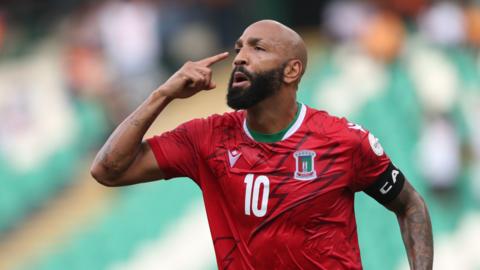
point(143, 169)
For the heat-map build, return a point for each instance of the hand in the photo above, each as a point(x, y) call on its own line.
point(191, 78)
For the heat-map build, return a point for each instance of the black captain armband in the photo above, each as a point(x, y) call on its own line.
point(388, 185)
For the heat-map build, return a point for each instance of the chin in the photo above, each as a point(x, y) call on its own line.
point(237, 105)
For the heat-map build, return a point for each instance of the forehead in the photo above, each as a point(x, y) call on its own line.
point(263, 33)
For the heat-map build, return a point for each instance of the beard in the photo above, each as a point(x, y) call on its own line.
point(262, 85)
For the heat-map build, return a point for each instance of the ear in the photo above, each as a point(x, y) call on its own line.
point(293, 71)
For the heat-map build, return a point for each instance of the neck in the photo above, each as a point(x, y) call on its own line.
point(273, 114)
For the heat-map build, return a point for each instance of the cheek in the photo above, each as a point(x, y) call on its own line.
point(261, 61)
point(264, 66)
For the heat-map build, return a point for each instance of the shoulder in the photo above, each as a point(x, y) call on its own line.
point(335, 127)
point(214, 122)
point(228, 118)
point(331, 125)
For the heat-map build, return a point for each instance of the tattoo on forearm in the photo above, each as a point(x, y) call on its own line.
point(137, 122)
point(417, 234)
point(125, 145)
point(113, 161)
point(109, 160)
point(415, 226)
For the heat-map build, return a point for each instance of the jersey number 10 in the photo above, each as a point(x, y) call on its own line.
point(252, 195)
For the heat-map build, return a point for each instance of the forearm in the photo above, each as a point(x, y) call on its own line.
point(416, 229)
point(113, 164)
point(121, 148)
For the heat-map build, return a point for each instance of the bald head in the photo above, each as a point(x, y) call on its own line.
point(289, 42)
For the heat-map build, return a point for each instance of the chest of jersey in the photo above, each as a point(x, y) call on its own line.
point(292, 180)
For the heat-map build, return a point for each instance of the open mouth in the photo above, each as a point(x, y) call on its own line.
point(240, 80)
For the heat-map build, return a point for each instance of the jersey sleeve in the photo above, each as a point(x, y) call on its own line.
point(369, 160)
point(178, 152)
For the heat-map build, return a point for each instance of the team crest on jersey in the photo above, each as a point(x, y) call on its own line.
point(305, 165)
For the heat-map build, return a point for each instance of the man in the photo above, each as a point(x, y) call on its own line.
point(278, 178)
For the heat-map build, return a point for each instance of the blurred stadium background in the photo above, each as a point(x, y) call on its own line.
point(70, 70)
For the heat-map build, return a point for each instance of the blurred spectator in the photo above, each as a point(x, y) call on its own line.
point(3, 28)
point(87, 74)
point(439, 148)
point(15, 116)
point(86, 70)
point(472, 24)
point(443, 23)
point(435, 78)
point(381, 33)
point(345, 20)
point(408, 8)
point(383, 36)
point(129, 32)
point(36, 113)
point(191, 30)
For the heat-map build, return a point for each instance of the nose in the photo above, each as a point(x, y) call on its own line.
point(240, 59)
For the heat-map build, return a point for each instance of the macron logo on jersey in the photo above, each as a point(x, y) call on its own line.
point(233, 157)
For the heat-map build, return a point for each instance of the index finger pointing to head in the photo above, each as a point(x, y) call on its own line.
point(213, 59)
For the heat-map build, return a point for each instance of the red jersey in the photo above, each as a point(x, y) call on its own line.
point(282, 205)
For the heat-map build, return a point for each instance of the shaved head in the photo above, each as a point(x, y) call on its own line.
point(289, 41)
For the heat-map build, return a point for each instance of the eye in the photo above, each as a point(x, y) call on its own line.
point(257, 48)
point(237, 50)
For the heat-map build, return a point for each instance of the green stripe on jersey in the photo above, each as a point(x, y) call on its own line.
point(276, 137)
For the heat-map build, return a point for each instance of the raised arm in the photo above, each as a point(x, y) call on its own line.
point(415, 226)
point(125, 158)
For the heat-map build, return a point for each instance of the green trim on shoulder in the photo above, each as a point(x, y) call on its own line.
point(276, 137)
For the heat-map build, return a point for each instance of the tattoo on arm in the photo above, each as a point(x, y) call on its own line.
point(415, 226)
point(112, 159)
point(109, 160)
point(137, 122)
point(125, 146)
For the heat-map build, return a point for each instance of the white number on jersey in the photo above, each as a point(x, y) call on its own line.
point(252, 200)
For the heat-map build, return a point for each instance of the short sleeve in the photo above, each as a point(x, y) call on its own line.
point(177, 152)
point(369, 160)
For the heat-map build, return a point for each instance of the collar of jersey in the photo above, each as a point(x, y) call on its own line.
point(281, 135)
